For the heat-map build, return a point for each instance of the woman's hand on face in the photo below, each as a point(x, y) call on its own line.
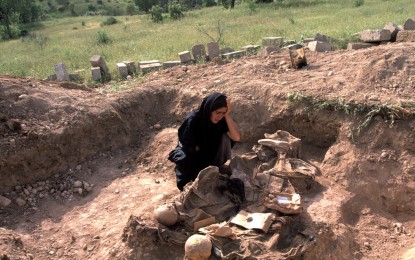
point(228, 104)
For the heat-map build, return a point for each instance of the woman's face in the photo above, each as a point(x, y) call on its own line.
point(218, 114)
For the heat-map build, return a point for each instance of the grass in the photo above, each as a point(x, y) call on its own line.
point(73, 41)
point(389, 112)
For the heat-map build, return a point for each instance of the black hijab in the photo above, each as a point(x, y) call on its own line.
point(198, 129)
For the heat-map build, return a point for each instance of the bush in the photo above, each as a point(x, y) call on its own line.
point(130, 9)
point(103, 38)
point(210, 3)
point(358, 3)
point(109, 21)
point(252, 6)
point(175, 10)
point(156, 14)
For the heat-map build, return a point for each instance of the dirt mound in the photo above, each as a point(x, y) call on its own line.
point(82, 161)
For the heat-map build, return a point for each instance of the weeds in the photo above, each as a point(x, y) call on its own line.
point(388, 112)
point(103, 38)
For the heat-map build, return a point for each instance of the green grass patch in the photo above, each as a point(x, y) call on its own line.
point(137, 38)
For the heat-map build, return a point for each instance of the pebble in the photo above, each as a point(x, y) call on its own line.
point(20, 202)
point(77, 184)
point(157, 126)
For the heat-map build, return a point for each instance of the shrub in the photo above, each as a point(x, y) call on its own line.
point(130, 9)
point(103, 38)
point(175, 10)
point(209, 3)
point(252, 6)
point(358, 3)
point(109, 21)
point(83, 23)
point(156, 14)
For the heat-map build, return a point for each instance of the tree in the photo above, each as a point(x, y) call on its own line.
point(17, 11)
point(145, 5)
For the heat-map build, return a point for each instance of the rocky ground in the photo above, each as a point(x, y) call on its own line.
point(76, 162)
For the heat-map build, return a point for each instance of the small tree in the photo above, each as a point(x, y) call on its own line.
point(175, 10)
point(130, 9)
point(156, 14)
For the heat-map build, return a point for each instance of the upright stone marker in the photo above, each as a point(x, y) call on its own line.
point(185, 57)
point(96, 73)
point(122, 69)
point(213, 50)
point(409, 24)
point(393, 28)
point(199, 52)
point(98, 61)
point(131, 67)
point(322, 38)
point(61, 72)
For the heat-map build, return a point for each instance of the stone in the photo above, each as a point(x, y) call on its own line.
point(319, 46)
point(145, 62)
point(146, 68)
point(20, 202)
point(393, 28)
point(122, 69)
point(226, 50)
point(375, 35)
point(61, 72)
point(273, 41)
point(293, 46)
point(213, 50)
point(77, 184)
point(185, 57)
point(323, 38)
point(96, 73)
point(409, 24)
point(131, 67)
point(199, 52)
point(233, 55)
point(251, 49)
point(4, 202)
point(307, 40)
point(271, 49)
point(360, 45)
point(98, 61)
point(52, 77)
point(171, 64)
point(406, 36)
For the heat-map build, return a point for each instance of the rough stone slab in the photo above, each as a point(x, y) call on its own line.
point(375, 35)
point(360, 45)
point(213, 50)
point(226, 50)
point(122, 69)
point(273, 41)
point(185, 57)
point(233, 55)
point(96, 73)
point(131, 67)
point(4, 202)
point(61, 72)
point(409, 24)
point(323, 38)
point(199, 52)
point(146, 68)
point(251, 49)
point(319, 46)
point(393, 28)
point(98, 61)
point(145, 62)
point(307, 40)
point(171, 64)
point(406, 36)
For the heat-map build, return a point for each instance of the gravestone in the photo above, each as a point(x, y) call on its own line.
point(233, 55)
point(409, 24)
point(360, 45)
point(199, 52)
point(213, 50)
point(146, 68)
point(251, 49)
point(130, 67)
point(406, 36)
point(61, 72)
point(96, 73)
point(185, 57)
point(98, 61)
point(122, 69)
point(393, 28)
point(319, 46)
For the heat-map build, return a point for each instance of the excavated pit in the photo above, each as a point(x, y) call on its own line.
point(360, 205)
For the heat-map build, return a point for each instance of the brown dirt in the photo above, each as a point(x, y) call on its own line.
point(53, 134)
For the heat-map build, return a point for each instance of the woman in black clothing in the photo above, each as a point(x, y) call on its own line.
point(205, 138)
